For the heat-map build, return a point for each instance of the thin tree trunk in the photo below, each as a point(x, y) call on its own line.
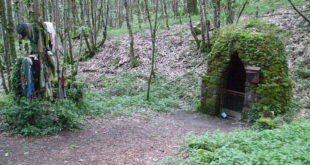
point(203, 25)
point(5, 42)
point(207, 24)
point(217, 13)
point(230, 12)
point(105, 28)
point(166, 14)
point(153, 35)
point(193, 31)
point(139, 14)
point(10, 30)
point(133, 60)
point(3, 78)
point(242, 9)
point(61, 90)
point(303, 16)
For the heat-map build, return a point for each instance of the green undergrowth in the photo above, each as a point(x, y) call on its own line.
point(303, 69)
point(265, 6)
point(288, 144)
point(125, 94)
point(39, 117)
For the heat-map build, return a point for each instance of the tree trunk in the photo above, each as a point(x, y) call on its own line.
point(133, 60)
point(192, 7)
point(10, 30)
point(203, 26)
point(230, 12)
point(166, 14)
point(6, 55)
point(207, 25)
point(139, 14)
point(217, 13)
point(153, 29)
point(2, 73)
point(242, 9)
point(193, 31)
point(303, 16)
point(105, 26)
point(6, 90)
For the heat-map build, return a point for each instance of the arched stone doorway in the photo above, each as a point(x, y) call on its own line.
point(233, 89)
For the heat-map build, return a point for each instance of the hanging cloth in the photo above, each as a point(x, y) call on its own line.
point(51, 34)
point(27, 78)
point(36, 71)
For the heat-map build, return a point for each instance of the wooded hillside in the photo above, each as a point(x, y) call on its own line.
point(154, 81)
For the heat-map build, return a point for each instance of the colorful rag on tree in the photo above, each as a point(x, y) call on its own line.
point(27, 78)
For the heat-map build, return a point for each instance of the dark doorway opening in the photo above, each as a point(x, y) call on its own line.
point(234, 86)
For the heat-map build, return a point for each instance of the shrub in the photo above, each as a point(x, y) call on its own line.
point(285, 145)
point(264, 123)
point(40, 117)
point(16, 78)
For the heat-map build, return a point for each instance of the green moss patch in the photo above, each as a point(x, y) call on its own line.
point(257, 44)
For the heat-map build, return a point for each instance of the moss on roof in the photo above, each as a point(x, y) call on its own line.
point(257, 44)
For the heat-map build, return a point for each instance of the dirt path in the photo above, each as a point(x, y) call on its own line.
point(121, 140)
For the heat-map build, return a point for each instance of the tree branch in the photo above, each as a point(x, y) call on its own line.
point(303, 16)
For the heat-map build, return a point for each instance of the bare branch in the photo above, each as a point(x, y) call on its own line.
point(303, 16)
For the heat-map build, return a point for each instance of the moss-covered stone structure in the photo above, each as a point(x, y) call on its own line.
point(247, 73)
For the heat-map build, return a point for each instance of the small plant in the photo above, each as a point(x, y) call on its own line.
point(73, 147)
point(303, 73)
point(264, 123)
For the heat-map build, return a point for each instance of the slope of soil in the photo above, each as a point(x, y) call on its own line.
point(175, 54)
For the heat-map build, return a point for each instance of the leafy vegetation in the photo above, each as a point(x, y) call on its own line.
point(40, 117)
point(303, 70)
point(303, 73)
point(285, 145)
point(125, 94)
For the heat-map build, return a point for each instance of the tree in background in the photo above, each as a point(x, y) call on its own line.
point(303, 16)
point(8, 33)
point(153, 30)
point(133, 60)
point(216, 13)
point(192, 7)
point(230, 12)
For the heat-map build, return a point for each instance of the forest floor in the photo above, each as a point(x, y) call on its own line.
point(145, 138)
point(138, 139)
